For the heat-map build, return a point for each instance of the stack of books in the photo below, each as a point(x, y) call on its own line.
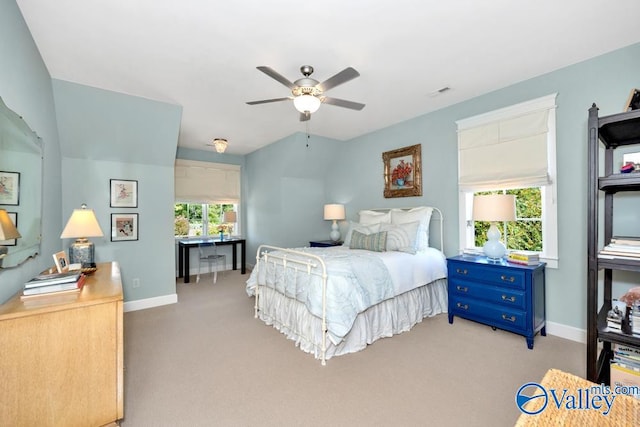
point(55, 283)
point(524, 258)
point(622, 247)
point(625, 367)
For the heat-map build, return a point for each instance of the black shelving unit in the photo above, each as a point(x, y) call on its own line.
point(613, 131)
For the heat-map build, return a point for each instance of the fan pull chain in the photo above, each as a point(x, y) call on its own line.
point(308, 136)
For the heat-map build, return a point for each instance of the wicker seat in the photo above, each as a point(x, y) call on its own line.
point(208, 252)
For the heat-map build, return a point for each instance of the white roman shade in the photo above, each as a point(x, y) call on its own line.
point(204, 182)
point(506, 148)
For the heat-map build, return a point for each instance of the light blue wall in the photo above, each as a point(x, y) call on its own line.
point(106, 135)
point(287, 185)
point(355, 175)
point(25, 86)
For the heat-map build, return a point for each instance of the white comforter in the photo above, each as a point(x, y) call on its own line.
point(357, 280)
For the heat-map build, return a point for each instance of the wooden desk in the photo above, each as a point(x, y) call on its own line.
point(185, 245)
point(62, 355)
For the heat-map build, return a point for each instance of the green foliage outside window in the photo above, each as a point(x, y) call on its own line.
point(526, 232)
point(189, 218)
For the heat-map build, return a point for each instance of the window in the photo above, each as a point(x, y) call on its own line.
point(197, 219)
point(512, 150)
point(203, 192)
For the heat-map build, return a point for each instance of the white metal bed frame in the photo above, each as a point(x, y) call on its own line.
point(314, 265)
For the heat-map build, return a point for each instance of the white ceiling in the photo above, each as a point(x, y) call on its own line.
point(202, 54)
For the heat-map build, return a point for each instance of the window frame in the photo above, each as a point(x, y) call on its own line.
point(548, 193)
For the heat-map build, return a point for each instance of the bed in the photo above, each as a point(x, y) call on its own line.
point(389, 275)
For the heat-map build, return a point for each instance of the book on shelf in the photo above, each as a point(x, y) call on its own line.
point(53, 279)
point(621, 376)
point(75, 286)
point(626, 240)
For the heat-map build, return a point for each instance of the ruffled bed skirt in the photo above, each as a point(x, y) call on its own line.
point(385, 319)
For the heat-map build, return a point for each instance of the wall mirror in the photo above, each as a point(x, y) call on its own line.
point(20, 186)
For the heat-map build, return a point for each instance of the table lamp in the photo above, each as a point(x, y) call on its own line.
point(8, 231)
point(230, 217)
point(494, 208)
point(82, 224)
point(334, 212)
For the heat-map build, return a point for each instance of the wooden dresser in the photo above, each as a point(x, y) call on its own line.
point(61, 357)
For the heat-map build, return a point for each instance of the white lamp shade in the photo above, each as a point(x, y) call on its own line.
point(229, 216)
point(494, 207)
point(83, 223)
point(8, 231)
point(304, 103)
point(334, 211)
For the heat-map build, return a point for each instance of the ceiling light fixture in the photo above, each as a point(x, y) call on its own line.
point(220, 144)
point(306, 103)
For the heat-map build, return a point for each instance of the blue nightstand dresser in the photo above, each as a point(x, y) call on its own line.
point(498, 293)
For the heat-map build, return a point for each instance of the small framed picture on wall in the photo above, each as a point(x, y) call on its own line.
point(9, 188)
point(124, 227)
point(124, 193)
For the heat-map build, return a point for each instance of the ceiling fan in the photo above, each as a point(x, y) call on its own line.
point(308, 93)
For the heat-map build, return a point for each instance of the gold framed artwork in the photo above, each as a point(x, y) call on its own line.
point(403, 172)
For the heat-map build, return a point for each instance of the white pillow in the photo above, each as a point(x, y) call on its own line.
point(421, 214)
point(362, 228)
point(373, 217)
point(401, 237)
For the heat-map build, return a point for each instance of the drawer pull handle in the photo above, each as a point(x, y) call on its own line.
point(509, 318)
point(510, 299)
point(461, 271)
point(507, 279)
point(462, 288)
point(463, 306)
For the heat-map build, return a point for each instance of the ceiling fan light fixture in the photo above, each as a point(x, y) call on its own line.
point(220, 144)
point(307, 103)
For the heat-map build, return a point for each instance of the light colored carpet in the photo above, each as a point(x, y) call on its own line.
point(206, 361)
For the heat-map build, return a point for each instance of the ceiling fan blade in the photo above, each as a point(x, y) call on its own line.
point(342, 77)
point(305, 116)
point(277, 76)
point(342, 103)
point(266, 101)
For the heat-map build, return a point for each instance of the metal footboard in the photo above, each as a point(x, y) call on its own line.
point(300, 262)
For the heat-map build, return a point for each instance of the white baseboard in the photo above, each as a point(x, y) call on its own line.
point(567, 332)
point(142, 304)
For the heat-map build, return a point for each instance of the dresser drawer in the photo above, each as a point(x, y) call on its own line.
point(508, 277)
point(496, 295)
point(501, 317)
